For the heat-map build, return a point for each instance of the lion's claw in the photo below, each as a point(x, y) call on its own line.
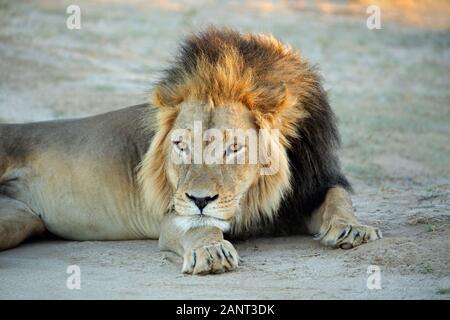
point(218, 257)
point(347, 235)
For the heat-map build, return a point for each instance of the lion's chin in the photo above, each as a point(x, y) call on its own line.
point(188, 222)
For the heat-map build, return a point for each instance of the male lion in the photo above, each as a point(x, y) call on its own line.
point(113, 176)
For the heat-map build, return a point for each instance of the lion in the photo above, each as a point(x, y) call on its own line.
point(114, 176)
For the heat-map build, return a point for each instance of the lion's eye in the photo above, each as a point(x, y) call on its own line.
point(234, 148)
point(181, 146)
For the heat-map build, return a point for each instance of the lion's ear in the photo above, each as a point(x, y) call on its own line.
point(162, 97)
point(271, 99)
point(281, 97)
point(156, 98)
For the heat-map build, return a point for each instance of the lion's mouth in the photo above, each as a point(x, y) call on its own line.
point(196, 214)
point(207, 216)
point(186, 222)
point(203, 216)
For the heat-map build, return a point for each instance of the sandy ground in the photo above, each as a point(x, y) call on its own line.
point(389, 88)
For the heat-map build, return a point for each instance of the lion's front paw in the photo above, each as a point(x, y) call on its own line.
point(213, 258)
point(347, 235)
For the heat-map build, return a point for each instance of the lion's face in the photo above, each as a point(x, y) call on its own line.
point(208, 167)
point(224, 81)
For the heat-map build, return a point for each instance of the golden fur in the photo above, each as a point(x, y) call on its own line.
point(110, 177)
point(275, 95)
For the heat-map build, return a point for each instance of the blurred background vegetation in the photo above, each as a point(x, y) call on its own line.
point(389, 87)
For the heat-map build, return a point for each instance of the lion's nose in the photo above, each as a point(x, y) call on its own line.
point(201, 202)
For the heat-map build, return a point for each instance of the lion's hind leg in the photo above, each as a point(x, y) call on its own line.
point(17, 223)
point(334, 222)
